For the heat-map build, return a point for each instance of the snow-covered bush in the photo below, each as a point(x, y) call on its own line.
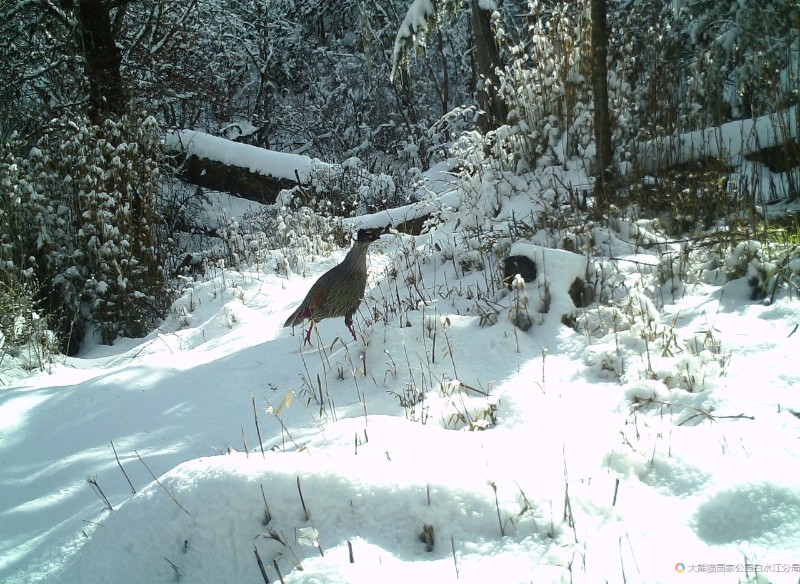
point(24, 333)
point(289, 236)
point(80, 214)
point(767, 266)
point(690, 65)
point(547, 87)
point(690, 199)
point(349, 189)
point(748, 52)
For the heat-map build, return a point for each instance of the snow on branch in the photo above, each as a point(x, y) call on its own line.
point(411, 33)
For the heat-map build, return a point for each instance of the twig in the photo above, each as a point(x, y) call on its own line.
point(174, 567)
point(568, 517)
point(427, 536)
point(258, 429)
point(712, 417)
point(455, 558)
point(99, 492)
point(450, 349)
point(278, 570)
point(171, 496)
point(302, 500)
point(649, 401)
point(527, 507)
point(476, 390)
point(497, 507)
point(133, 490)
point(267, 514)
point(285, 541)
point(284, 429)
point(261, 565)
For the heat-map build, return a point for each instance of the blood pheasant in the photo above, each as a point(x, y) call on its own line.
point(339, 291)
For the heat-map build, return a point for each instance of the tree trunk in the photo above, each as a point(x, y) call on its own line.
point(103, 60)
point(604, 158)
point(495, 110)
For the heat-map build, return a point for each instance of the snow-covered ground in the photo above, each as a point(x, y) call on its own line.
point(656, 439)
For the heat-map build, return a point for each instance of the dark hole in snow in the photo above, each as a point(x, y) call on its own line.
point(580, 293)
point(522, 265)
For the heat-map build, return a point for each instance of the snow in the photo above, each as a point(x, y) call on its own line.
point(653, 441)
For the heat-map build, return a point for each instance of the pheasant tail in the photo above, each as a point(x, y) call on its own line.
point(298, 316)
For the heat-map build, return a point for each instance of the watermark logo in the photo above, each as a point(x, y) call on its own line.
point(746, 568)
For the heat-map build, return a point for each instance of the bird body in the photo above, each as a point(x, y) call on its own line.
point(339, 291)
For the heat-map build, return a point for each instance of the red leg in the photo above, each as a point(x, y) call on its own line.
point(308, 334)
point(348, 320)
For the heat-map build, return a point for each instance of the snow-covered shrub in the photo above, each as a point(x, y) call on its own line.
point(688, 65)
point(19, 318)
point(768, 266)
point(82, 208)
point(547, 87)
point(349, 189)
point(748, 52)
point(289, 236)
point(24, 333)
point(689, 199)
point(749, 259)
point(490, 184)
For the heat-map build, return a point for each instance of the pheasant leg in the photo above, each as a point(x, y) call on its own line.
point(308, 334)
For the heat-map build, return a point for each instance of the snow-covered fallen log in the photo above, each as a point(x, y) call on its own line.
point(732, 141)
point(248, 171)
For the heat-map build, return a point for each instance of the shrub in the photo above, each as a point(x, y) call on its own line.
point(78, 215)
